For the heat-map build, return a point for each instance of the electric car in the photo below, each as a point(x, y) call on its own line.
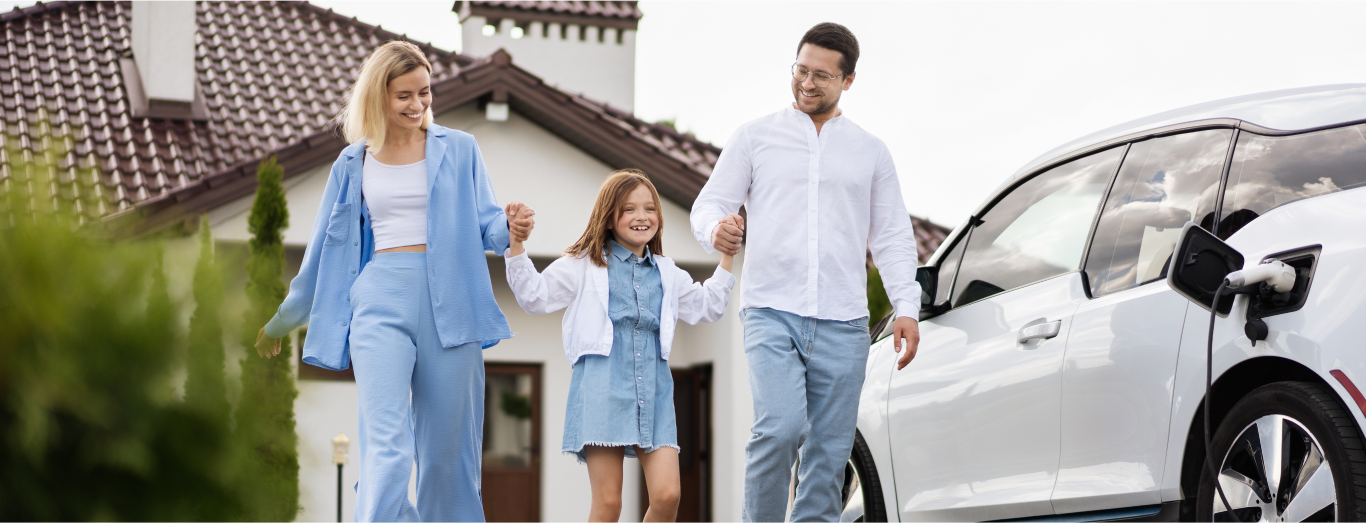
point(1061, 373)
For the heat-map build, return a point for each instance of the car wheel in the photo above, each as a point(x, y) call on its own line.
point(1288, 451)
point(862, 492)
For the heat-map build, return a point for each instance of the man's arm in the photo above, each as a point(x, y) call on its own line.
point(891, 239)
point(721, 197)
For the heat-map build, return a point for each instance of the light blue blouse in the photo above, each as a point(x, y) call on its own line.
point(463, 221)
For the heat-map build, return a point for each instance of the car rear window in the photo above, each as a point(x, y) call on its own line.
point(1270, 171)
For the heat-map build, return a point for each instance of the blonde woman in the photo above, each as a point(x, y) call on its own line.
point(394, 280)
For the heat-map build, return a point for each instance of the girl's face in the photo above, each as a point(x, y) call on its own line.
point(409, 97)
point(637, 220)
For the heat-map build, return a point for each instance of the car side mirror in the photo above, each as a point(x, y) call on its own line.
point(928, 278)
point(1199, 264)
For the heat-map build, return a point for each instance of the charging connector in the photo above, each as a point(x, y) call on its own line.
point(1276, 274)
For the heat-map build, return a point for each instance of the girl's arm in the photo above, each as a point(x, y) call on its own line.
point(542, 293)
point(704, 302)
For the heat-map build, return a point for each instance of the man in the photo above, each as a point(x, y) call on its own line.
point(820, 193)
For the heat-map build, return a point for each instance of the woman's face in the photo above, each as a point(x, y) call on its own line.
point(409, 97)
point(637, 220)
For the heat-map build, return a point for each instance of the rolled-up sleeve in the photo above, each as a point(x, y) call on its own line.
point(294, 310)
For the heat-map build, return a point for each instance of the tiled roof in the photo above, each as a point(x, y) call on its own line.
point(928, 236)
point(269, 73)
point(272, 76)
point(599, 9)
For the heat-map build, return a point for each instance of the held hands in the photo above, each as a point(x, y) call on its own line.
point(728, 233)
point(266, 346)
point(520, 224)
point(909, 329)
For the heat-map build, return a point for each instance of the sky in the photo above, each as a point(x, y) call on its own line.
point(963, 93)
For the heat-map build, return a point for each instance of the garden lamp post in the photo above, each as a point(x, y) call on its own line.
point(340, 445)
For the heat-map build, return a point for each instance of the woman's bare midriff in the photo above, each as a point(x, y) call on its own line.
point(406, 248)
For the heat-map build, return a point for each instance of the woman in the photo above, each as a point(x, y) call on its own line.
point(416, 195)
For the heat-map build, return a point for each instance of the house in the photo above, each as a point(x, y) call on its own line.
point(150, 114)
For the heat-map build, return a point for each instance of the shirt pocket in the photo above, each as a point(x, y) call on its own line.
point(339, 225)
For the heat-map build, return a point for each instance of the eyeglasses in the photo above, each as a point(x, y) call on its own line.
point(800, 73)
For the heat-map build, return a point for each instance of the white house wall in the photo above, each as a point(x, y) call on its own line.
point(530, 164)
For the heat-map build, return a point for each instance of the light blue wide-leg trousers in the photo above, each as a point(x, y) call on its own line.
point(419, 402)
point(806, 375)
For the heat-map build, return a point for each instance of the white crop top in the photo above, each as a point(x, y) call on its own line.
point(397, 197)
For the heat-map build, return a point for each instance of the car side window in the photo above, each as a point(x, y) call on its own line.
point(1270, 171)
point(1163, 183)
point(1035, 232)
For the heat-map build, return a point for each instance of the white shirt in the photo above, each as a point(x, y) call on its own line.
point(816, 204)
point(574, 282)
point(397, 198)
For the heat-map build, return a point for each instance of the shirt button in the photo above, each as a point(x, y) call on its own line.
point(355, 243)
point(638, 377)
point(353, 271)
point(642, 402)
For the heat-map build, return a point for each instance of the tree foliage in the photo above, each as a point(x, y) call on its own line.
point(205, 387)
point(90, 427)
point(265, 412)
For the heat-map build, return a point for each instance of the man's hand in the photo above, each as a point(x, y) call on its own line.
point(266, 346)
point(520, 221)
point(908, 329)
point(728, 233)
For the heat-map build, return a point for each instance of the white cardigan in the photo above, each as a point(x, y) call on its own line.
point(576, 283)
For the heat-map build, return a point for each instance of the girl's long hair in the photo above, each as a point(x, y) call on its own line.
point(363, 116)
point(611, 198)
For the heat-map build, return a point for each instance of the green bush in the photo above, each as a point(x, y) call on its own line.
point(90, 425)
point(205, 387)
point(265, 412)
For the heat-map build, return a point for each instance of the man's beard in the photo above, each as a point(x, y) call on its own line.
point(823, 106)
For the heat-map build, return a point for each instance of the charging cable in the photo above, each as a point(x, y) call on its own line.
point(1281, 278)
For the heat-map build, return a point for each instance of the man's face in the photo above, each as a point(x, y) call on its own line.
point(811, 97)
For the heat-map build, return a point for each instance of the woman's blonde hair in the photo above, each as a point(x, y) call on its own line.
point(611, 198)
point(363, 116)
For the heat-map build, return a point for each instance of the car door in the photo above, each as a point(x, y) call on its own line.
point(1120, 360)
point(974, 418)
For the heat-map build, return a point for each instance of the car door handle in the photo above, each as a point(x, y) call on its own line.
point(1040, 331)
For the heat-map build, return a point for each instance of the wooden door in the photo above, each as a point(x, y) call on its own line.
point(512, 427)
point(692, 406)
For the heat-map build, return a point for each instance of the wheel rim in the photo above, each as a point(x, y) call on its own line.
point(852, 495)
point(1275, 471)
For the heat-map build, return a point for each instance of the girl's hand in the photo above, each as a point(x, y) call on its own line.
point(523, 218)
point(725, 262)
point(520, 221)
point(266, 346)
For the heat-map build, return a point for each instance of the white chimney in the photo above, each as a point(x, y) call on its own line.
point(163, 60)
point(588, 54)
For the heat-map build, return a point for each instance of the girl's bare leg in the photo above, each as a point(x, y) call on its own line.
point(604, 475)
point(661, 480)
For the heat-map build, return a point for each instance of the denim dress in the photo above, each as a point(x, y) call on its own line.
point(625, 399)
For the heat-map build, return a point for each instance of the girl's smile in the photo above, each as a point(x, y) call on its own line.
point(637, 220)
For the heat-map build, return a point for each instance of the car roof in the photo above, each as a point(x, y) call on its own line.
point(1276, 112)
point(1290, 110)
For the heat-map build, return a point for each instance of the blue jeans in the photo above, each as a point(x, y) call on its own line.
point(806, 375)
point(419, 401)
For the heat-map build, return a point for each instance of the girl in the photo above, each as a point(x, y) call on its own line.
point(624, 299)
point(416, 195)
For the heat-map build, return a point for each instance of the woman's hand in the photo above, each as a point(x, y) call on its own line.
point(266, 346)
point(520, 224)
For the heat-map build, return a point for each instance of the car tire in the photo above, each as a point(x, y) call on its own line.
point(861, 481)
point(1316, 435)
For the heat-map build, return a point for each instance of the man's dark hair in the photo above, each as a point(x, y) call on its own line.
point(834, 37)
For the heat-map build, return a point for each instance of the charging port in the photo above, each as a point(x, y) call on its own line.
point(1266, 302)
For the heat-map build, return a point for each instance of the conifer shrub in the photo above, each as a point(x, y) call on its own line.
point(265, 412)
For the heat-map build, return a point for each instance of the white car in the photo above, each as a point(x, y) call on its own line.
point(1062, 376)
